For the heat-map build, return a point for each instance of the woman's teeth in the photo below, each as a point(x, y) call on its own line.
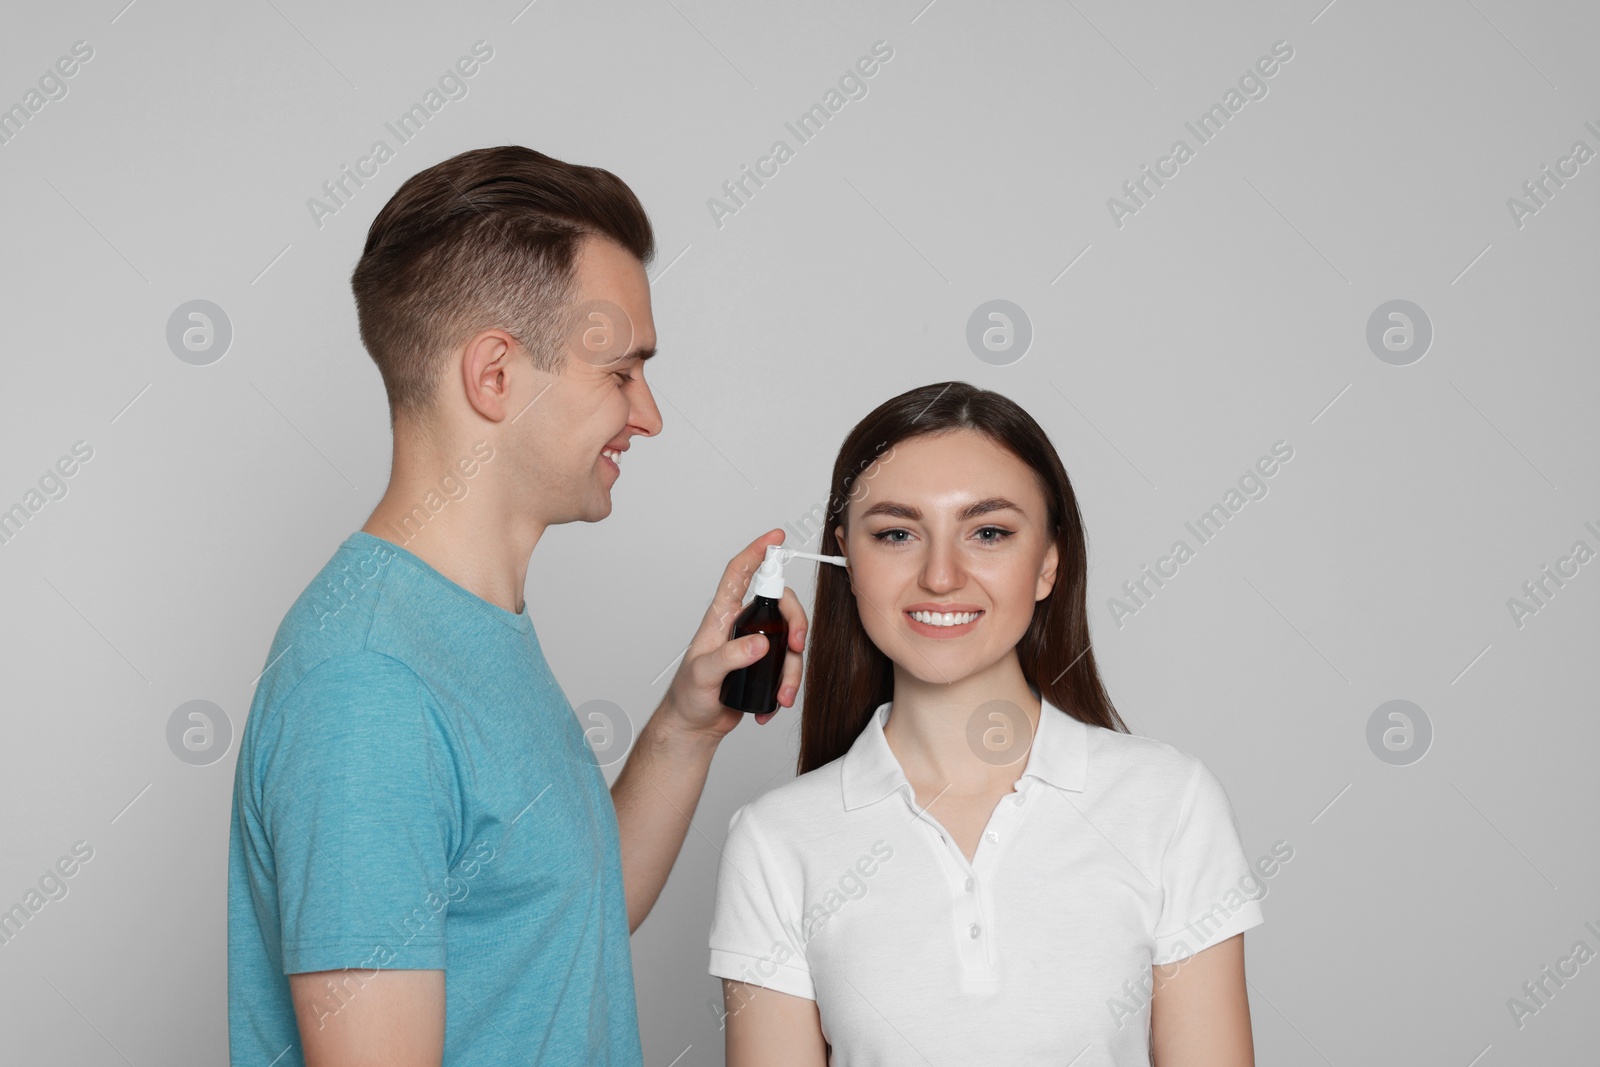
point(613, 455)
point(949, 618)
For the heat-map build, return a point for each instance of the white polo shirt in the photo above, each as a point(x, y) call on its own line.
point(1114, 852)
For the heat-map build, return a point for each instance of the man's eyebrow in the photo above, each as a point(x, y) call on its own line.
point(971, 511)
point(640, 354)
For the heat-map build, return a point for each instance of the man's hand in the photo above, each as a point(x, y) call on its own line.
point(695, 696)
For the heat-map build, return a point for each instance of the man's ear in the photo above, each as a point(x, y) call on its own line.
point(489, 361)
point(1047, 571)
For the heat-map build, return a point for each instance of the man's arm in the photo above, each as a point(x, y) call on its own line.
point(655, 796)
point(660, 784)
point(354, 812)
point(387, 1019)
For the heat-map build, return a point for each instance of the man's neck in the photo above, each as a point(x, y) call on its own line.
point(471, 540)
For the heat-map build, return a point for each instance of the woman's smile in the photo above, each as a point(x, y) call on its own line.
point(944, 623)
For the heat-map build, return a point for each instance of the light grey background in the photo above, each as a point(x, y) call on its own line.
point(1229, 313)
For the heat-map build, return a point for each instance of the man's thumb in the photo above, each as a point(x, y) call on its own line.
point(745, 651)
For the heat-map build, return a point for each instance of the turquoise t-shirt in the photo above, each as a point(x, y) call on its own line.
point(413, 791)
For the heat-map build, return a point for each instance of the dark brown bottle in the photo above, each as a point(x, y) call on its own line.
point(754, 689)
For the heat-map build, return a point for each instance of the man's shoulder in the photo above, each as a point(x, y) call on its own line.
point(314, 698)
point(339, 604)
point(355, 672)
point(372, 594)
point(342, 629)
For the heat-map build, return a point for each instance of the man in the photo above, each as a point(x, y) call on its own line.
point(425, 866)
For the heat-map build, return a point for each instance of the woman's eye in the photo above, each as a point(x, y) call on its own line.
point(891, 536)
point(624, 376)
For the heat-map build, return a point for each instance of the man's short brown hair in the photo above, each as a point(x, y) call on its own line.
point(488, 238)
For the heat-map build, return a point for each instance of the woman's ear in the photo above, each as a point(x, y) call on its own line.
point(1047, 572)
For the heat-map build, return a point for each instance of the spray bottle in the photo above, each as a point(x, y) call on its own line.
point(754, 689)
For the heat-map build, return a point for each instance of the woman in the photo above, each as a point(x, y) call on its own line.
point(977, 864)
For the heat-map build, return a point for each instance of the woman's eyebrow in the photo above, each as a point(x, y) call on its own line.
point(971, 511)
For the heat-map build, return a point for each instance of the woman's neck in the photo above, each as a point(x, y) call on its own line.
point(930, 724)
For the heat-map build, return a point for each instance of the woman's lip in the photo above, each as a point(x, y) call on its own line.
point(937, 632)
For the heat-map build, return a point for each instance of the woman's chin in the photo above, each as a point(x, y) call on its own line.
point(937, 666)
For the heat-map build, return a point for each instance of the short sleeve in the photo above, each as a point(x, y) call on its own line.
point(1209, 891)
point(357, 796)
point(755, 926)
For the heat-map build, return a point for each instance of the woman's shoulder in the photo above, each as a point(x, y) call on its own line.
point(1145, 764)
point(803, 801)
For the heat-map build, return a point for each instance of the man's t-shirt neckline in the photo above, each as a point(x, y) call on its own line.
point(521, 622)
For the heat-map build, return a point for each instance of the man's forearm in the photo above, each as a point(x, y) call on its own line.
point(655, 797)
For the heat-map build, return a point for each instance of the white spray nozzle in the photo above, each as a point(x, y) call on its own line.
point(789, 553)
point(769, 576)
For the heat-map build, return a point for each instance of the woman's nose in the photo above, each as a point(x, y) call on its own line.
point(941, 568)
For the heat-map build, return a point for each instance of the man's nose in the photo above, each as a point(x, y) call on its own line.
point(646, 415)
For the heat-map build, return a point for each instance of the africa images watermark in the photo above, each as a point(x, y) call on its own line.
point(452, 85)
point(852, 85)
point(1252, 885)
point(334, 596)
point(336, 994)
point(1252, 86)
point(816, 520)
point(1252, 486)
point(851, 885)
point(811, 523)
point(52, 86)
point(1536, 991)
point(1541, 189)
point(52, 486)
point(1541, 589)
point(52, 886)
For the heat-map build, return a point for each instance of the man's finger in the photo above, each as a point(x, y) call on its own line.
point(712, 668)
point(795, 616)
point(790, 605)
point(736, 578)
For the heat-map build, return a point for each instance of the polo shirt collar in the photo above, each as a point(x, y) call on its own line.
point(1059, 756)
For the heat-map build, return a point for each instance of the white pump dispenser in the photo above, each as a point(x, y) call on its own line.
point(768, 581)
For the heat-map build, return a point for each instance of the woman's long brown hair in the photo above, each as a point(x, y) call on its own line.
point(847, 677)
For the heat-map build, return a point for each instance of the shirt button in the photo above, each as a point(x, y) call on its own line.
point(1019, 799)
point(993, 836)
point(969, 883)
point(973, 930)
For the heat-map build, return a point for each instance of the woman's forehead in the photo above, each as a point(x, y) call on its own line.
point(961, 474)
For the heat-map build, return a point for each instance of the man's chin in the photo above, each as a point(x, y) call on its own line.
point(595, 508)
point(599, 507)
